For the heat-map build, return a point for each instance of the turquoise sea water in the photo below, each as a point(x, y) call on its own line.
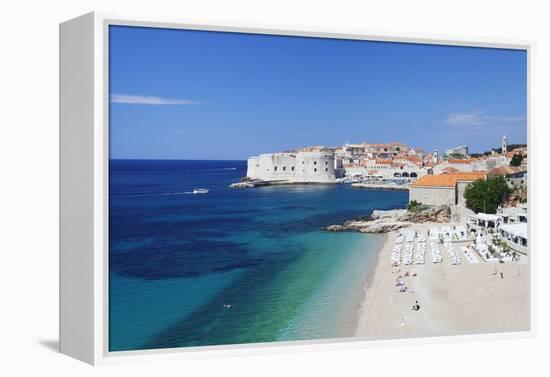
point(232, 266)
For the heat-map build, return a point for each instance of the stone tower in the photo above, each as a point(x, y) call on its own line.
point(504, 145)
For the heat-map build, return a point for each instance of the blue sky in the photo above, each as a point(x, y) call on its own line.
point(179, 94)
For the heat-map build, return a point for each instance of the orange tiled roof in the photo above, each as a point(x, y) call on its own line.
point(379, 161)
point(448, 180)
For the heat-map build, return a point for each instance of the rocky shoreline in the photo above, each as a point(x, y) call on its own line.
point(387, 221)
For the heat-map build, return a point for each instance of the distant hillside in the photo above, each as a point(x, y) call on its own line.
point(511, 147)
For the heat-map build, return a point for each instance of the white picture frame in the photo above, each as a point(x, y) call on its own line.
point(84, 140)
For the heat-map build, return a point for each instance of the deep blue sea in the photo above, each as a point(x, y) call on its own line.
point(234, 265)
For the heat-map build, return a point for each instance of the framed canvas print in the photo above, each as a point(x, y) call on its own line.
point(227, 188)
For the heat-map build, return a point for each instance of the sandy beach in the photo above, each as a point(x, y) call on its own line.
point(454, 299)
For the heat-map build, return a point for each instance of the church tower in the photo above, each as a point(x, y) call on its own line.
point(504, 145)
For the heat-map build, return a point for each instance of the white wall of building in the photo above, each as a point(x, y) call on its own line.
point(299, 167)
point(432, 195)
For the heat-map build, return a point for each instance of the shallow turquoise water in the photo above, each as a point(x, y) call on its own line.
point(232, 266)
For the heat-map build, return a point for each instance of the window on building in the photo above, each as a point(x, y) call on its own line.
point(292, 168)
point(326, 169)
point(275, 168)
point(315, 169)
point(284, 168)
point(314, 162)
point(326, 162)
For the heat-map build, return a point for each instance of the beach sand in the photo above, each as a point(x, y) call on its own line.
point(454, 299)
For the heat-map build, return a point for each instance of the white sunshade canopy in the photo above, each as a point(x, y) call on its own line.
point(487, 217)
point(517, 229)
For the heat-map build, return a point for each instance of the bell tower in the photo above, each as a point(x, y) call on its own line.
point(504, 145)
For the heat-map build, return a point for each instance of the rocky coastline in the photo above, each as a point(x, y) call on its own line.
point(387, 221)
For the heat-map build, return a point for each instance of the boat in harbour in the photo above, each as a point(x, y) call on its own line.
point(200, 191)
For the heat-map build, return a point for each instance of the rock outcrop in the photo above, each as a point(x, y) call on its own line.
point(430, 214)
point(387, 221)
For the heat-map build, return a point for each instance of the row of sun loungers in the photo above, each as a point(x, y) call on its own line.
point(448, 234)
point(405, 247)
point(455, 259)
point(396, 254)
point(420, 254)
point(408, 253)
point(436, 253)
point(410, 247)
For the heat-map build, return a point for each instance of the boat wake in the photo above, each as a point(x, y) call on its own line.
point(156, 194)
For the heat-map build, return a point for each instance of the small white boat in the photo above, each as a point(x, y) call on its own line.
point(200, 191)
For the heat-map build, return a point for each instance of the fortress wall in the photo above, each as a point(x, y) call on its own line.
point(315, 167)
point(300, 167)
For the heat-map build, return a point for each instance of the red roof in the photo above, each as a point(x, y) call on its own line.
point(448, 180)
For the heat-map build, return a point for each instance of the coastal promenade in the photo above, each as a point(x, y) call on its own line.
point(454, 299)
point(380, 186)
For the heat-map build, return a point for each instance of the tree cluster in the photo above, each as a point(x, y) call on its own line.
point(485, 195)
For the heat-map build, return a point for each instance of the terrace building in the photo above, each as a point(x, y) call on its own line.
point(443, 189)
point(516, 177)
point(515, 236)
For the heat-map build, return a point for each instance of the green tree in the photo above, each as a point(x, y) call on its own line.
point(486, 195)
point(414, 206)
point(516, 160)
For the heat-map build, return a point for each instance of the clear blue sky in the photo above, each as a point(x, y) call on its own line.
point(178, 94)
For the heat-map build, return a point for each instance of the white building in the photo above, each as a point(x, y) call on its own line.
point(515, 236)
point(461, 149)
point(484, 221)
point(471, 164)
point(510, 223)
point(294, 167)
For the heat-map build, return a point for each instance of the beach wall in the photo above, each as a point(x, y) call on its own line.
point(432, 195)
